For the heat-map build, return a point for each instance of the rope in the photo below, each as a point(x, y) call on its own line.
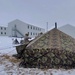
point(1, 70)
point(6, 48)
point(8, 52)
point(10, 47)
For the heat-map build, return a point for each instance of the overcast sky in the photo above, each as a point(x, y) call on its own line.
point(38, 12)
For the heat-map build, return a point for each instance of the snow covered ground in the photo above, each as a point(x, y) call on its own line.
point(9, 64)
